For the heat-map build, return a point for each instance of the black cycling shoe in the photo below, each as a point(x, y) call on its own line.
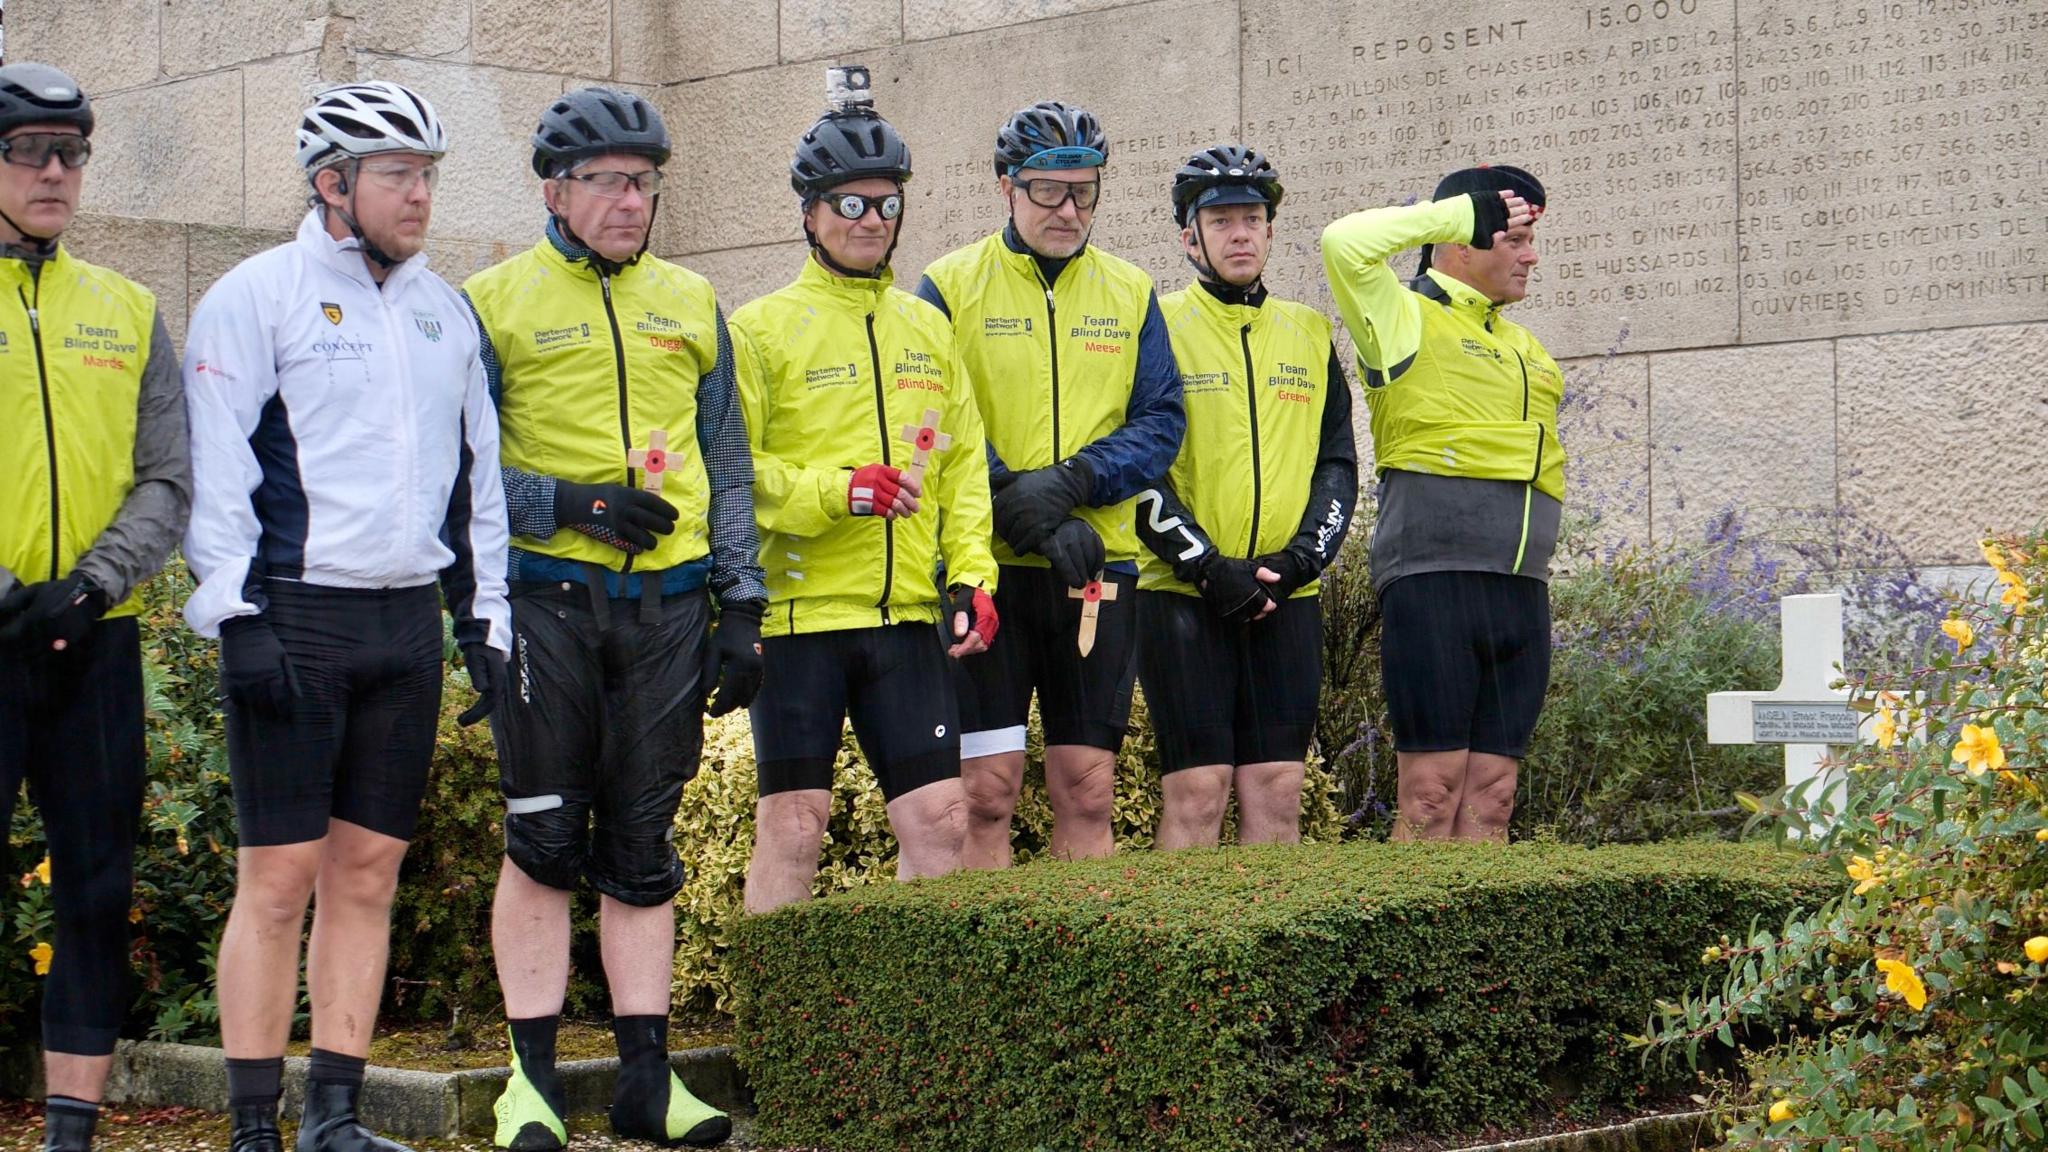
point(254, 1129)
point(329, 1123)
point(65, 1130)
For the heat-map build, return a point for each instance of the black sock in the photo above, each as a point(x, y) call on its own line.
point(642, 1039)
point(335, 1068)
point(73, 1105)
point(534, 1041)
point(255, 1083)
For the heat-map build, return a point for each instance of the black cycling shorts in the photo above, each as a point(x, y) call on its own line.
point(1222, 693)
point(71, 726)
point(1081, 700)
point(1466, 660)
point(894, 682)
point(360, 738)
point(603, 727)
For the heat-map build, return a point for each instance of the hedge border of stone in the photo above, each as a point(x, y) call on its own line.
point(402, 1102)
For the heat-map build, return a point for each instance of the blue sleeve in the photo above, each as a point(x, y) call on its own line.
point(529, 496)
point(1136, 455)
point(930, 294)
point(494, 372)
point(736, 573)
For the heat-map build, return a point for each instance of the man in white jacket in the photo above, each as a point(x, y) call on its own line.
point(345, 459)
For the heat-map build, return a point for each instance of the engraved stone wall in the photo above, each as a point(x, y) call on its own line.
point(1795, 256)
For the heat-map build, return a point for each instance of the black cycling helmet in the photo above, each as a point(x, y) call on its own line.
point(847, 145)
point(1225, 174)
point(597, 122)
point(1049, 134)
point(39, 94)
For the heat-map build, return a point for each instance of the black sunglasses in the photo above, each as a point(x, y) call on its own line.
point(34, 149)
point(853, 206)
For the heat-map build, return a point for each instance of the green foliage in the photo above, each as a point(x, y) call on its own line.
point(1323, 996)
point(715, 834)
point(1911, 1011)
point(1620, 754)
point(184, 860)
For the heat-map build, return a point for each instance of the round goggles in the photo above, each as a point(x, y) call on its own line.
point(853, 205)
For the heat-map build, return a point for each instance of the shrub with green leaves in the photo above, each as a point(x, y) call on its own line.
point(1323, 996)
point(715, 834)
point(1909, 1011)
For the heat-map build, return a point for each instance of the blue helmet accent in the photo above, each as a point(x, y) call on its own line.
point(1050, 135)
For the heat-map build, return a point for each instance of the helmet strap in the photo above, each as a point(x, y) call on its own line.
point(43, 246)
point(835, 266)
point(347, 187)
point(600, 263)
point(1205, 267)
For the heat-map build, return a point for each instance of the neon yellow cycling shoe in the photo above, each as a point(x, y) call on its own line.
point(639, 1114)
point(527, 1120)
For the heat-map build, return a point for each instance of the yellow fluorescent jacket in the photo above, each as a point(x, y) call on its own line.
point(1254, 381)
point(67, 411)
point(1052, 365)
point(832, 370)
point(1454, 387)
point(588, 373)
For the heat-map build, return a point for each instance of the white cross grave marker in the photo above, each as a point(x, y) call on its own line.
point(1804, 713)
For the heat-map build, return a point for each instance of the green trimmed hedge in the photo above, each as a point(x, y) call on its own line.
point(1323, 996)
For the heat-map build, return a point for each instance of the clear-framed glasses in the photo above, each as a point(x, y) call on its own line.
point(34, 149)
point(612, 185)
point(853, 206)
point(1049, 193)
point(398, 176)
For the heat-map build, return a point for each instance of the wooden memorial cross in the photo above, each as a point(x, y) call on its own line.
point(923, 439)
point(1804, 712)
point(651, 460)
point(1091, 595)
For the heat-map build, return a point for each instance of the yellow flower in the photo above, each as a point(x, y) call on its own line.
point(2015, 594)
point(2042, 835)
point(1992, 555)
point(42, 871)
point(1960, 632)
point(1861, 871)
point(1978, 750)
point(1886, 728)
point(1899, 977)
point(41, 954)
point(1710, 955)
point(1781, 1111)
point(2037, 949)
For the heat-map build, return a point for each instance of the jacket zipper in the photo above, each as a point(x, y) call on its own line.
point(35, 329)
point(1251, 400)
point(625, 413)
point(1052, 343)
point(882, 425)
point(1522, 549)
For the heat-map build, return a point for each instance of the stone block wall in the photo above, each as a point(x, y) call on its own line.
point(1794, 259)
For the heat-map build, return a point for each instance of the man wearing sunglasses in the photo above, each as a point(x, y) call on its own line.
point(1256, 504)
point(345, 458)
point(596, 351)
point(1082, 402)
point(96, 481)
point(860, 498)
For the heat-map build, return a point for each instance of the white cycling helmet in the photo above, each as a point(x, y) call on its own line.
point(358, 120)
